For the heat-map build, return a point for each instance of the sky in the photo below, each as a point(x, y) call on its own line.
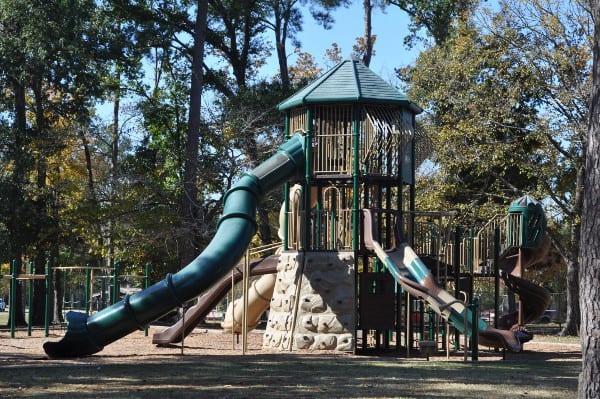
point(390, 26)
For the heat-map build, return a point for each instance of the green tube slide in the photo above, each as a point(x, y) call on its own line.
point(88, 335)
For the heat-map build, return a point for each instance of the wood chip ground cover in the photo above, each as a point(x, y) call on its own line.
point(211, 365)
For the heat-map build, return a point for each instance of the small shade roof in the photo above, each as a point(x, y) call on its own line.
point(349, 81)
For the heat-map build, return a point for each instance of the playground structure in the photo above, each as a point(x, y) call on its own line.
point(347, 275)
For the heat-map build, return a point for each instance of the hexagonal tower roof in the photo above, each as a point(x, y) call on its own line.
point(349, 81)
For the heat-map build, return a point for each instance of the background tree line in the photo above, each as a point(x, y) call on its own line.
point(505, 88)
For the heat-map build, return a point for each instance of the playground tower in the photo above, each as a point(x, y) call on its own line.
point(364, 149)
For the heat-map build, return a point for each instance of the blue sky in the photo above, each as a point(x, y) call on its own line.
point(390, 26)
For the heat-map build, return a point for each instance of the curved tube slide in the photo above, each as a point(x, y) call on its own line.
point(88, 335)
point(414, 276)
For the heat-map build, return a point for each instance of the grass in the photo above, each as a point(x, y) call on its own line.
point(557, 339)
point(280, 376)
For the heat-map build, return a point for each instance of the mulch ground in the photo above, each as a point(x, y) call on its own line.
point(137, 347)
point(211, 364)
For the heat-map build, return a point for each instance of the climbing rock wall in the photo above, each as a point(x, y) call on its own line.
point(313, 302)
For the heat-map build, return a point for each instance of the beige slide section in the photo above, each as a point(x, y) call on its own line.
point(259, 298)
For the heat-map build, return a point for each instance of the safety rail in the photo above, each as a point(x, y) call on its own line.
point(477, 248)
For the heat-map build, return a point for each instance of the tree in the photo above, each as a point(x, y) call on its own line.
point(506, 96)
point(51, 62)
point(178, 31)
point(236, 36)
point(554, 38)
point(438, 18)
point(190, 171)
point(367, 41)
point(285, 20)
point(589, 384)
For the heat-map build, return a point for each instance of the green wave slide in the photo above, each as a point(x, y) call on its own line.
point(88, 335)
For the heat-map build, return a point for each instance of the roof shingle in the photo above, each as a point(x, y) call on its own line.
point(348, 81)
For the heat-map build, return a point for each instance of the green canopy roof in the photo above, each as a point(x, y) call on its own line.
point(349, 81)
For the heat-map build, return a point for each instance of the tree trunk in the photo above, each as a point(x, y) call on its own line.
point(589, 383)
point(573, 316)
point(368, 11)
point(572, 323)
point(280, 27)
point(189, 205)
point(114, 156)
point(14, 223)
point(41, 204)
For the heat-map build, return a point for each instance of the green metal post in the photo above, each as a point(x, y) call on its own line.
point(146, 285)
point(355, 178)
point(470, 260)
point(433, 251)
point(407, 329)
point(400, 296)
point(412, 186)
point(307, 181)
point(88, 283)
point(398, 331)
point(431, 325)
point(286, 190)
point(47, 297)
point(13, 296)
point(29, 298)
point(456, 261)
point(116, 288)
point(474, 329)
point(496, 275)
point(421, 324)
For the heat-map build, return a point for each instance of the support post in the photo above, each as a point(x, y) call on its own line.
point(88, 283)
point(30, 297)
point(47, 298)
point(474, 329)
point(456, 262)
point(146, 285)
point(13, 296)
point(116, 287)
point(496, 275)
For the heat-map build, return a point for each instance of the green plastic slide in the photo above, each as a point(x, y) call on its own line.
point(88, 335)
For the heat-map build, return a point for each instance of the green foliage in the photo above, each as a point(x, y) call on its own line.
point(506, 107)
point(493, 98)
point(477, 121)
point(51, 60)
point(436, 17)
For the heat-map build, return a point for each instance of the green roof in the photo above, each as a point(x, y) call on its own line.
point(349, 81)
